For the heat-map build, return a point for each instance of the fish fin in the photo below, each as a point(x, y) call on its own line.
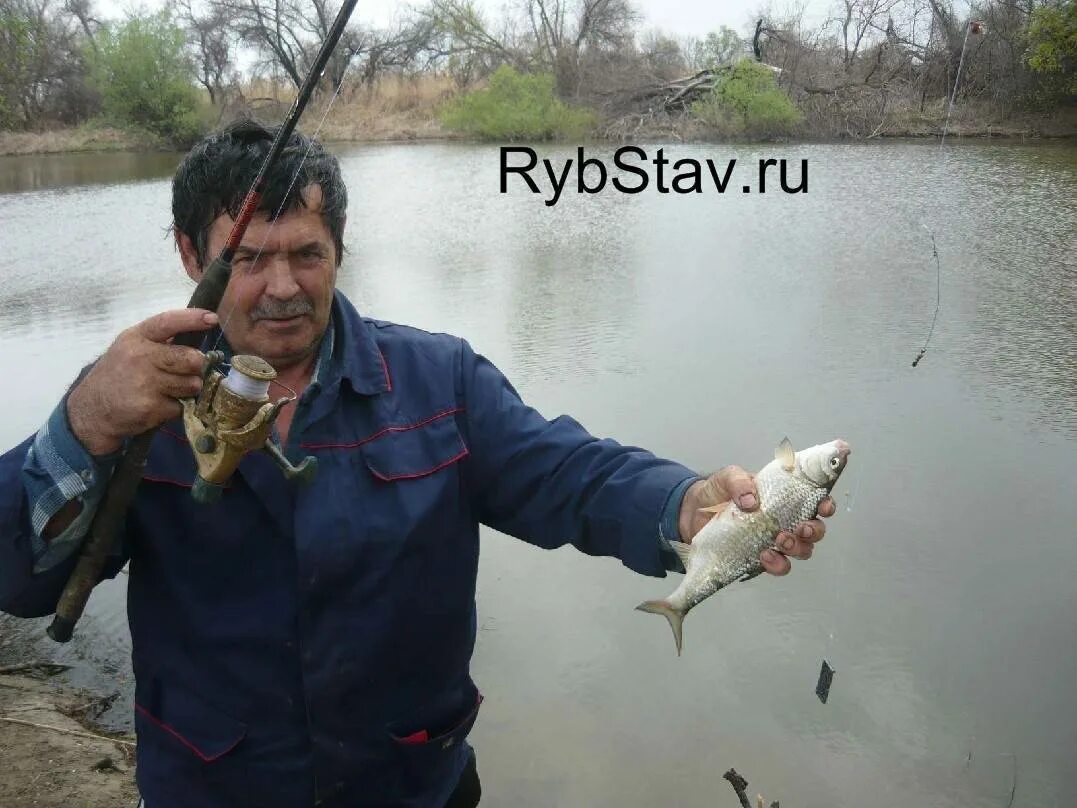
point(785, 455)
point(683, 550)
point(675, 618)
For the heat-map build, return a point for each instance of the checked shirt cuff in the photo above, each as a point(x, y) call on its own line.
point(58, 469)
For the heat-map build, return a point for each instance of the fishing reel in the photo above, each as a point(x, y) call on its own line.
point(232, 416)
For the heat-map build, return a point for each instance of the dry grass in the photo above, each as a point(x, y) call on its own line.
point(80, 139)
point(393, 108)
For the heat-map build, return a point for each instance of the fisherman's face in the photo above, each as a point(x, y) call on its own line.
point(276, 307)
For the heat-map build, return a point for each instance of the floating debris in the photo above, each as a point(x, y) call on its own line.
point(822, 687)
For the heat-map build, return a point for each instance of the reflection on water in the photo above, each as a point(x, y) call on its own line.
point(34, 172)
point(706, 328)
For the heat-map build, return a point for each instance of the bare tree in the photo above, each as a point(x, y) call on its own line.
point(566, 38)
point(210, 45)
point(81, 10)
point(860, 22)
point(285, 32)
point(662, 56)
point(461, 33)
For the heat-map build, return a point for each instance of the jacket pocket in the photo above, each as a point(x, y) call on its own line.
point(428, 752)
point(185, 746)
point(174, 714)
point(416, 450)
point(439, 738)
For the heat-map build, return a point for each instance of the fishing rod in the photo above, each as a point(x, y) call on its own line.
point(207, 295)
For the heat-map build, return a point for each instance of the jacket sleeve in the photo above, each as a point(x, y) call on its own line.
point(38, 478)
point(552, 483)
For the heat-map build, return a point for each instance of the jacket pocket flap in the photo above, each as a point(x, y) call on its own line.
point(201, 728)
point(407, 452)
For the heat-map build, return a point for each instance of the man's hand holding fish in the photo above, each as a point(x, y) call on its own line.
point(734, 484)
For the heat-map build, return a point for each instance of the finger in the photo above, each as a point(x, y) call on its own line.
point(775, 563)
point(812, 531)
point(791, 546)
point(169, 410)
point(174, 386)
point(739, 486)
point(162, 327)
point(827, 507)
point(178, 359)
point(150, 410)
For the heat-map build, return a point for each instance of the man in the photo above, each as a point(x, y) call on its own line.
point(297, 646)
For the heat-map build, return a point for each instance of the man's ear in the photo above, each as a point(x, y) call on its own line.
point(189, 256)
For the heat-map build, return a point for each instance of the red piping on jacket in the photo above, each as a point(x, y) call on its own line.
point(380, 432)
point(414, 474)
point(173, 435)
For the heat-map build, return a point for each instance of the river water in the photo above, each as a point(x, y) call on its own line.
point(704, 327)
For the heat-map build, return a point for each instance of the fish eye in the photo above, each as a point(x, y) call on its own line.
point(835, 462)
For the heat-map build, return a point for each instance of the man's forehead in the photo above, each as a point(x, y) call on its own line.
point(310, 211)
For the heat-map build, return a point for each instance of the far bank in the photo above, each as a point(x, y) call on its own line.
point(423, 124)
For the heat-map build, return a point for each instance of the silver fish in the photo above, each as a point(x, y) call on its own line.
point(727, 549)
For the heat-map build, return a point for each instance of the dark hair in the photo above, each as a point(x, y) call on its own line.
point(216, 174)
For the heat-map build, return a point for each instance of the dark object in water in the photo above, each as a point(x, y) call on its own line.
point(826, 676)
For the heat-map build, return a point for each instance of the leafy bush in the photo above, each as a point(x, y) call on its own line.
point(145, 78)
point(746, 100)
point(516, 106)
point(1052, 48)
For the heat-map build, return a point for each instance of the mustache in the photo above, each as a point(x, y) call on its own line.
point(282, 309)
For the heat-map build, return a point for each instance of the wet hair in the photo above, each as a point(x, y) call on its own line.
point(218, 172)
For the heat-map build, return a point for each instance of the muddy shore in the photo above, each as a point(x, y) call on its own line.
point(52, 755)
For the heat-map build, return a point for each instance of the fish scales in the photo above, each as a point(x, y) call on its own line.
point(727, 549)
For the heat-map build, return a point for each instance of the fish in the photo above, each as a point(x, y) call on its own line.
point(726, 550)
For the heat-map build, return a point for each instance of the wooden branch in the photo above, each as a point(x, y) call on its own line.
point(47, 668)
point(739, 785)
point(66, 731)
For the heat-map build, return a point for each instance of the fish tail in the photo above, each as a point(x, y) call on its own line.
point(674, 616)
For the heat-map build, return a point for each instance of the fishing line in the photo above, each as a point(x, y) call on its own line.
point(826, 670)
point(971, 27)
point(284, 198)
point(938, 292)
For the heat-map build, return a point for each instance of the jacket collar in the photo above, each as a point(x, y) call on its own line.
point(356, 354)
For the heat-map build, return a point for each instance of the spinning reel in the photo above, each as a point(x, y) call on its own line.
point(232, 416)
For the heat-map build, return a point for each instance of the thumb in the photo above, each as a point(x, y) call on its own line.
point(739, 486)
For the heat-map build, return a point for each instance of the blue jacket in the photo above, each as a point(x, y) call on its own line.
point(298, 646)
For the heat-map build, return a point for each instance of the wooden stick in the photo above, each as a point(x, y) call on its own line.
point(739, 785)
point(51, 668)
point(66, 731)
